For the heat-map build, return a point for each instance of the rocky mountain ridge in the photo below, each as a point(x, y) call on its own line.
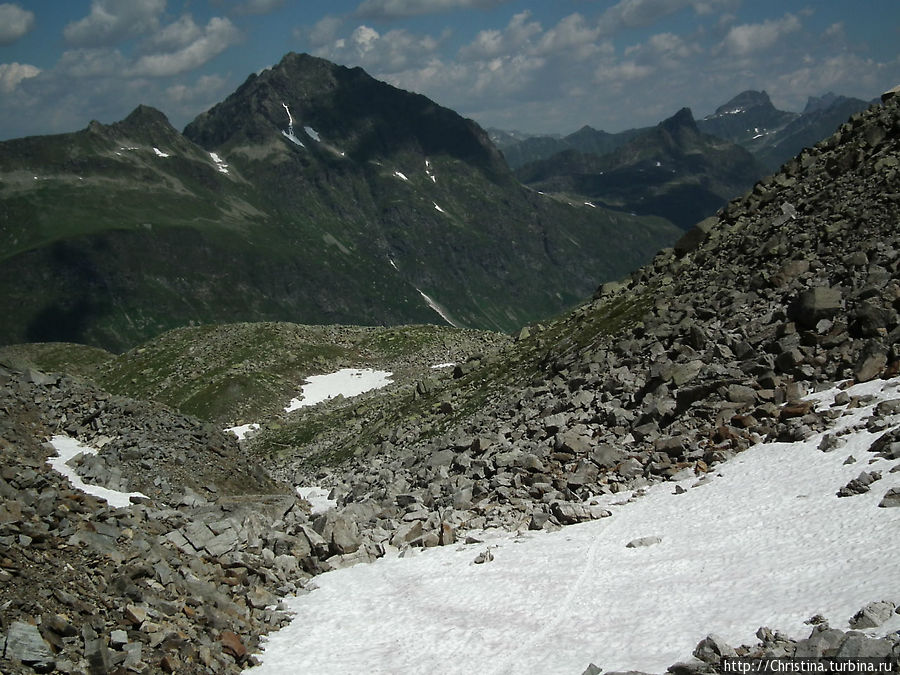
point(792, 288)
point(673, 170)
point(313, 194)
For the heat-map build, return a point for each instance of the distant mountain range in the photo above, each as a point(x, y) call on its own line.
point(749, 119)
point(314, 194)
point(672, 170)
point(682, 169)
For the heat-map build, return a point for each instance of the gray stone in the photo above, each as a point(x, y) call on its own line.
point(344, 536)
point(606, 456)
point(569, 513)
point(573, 442)
point(870, 366)
point(97, 654)
point(712, 649)
point(858, 645)
point(891, 498)
point(872, 615)
point(25, 644)
point(738, 393)
point(819, 643)
point(823, 302)
point(631, 468)
point(644, 541)
point(586, 472)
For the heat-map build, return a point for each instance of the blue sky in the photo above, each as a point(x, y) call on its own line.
point(533, 65)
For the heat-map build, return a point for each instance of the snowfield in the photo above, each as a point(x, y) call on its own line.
point(762, 541)
point(346, 382)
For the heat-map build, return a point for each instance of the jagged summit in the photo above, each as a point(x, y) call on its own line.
point(682, 120)
point(745, 101)
point(368, 119)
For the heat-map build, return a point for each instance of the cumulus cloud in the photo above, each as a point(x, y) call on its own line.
point(91, 62)
point(322, 33)
point(15, 22)
point(13, 73)
point(197, 46)
point(388, 53)
point(396, 9)
point(515, 38)
point(749, 38)
point(176, 35)
point(111, 21)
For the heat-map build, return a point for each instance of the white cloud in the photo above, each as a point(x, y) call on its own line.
point(96, 62)
point(395, 9)
point(389, 53)
point(846, 73)
point(749, 38)
point(15, 22)
point(176, 35)
point(515, 38)
point(204, 89)
point(323, 32)
point(639, 13)
point(216, 37)
point(13, 73)
point(573, 35)
point(111, 21)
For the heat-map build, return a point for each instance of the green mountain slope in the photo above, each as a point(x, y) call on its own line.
point(313, 194)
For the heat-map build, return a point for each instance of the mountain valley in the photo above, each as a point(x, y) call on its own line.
point(759, 350)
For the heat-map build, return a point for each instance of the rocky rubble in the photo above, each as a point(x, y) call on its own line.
point(184, 581)
point(823, 643)
point(791, 289)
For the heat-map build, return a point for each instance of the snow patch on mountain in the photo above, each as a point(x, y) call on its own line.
point(221, 166)
point(347, 382)
point(68, 448)
point(160, 153)
point(437, 308)
point(242, 431)
point(312, 133)
point(401, 176)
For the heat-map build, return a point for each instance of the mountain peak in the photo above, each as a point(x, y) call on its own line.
point(683, 119)
point(145, 115)
point(745, 101)
point(814, 103)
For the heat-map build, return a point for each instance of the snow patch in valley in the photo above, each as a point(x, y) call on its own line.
point(592, 205)
point(66, 449)
point(438, 366)
point(318, 499)
point(401, 176)
point(347, 382)
point(312, 133)
point(764, 542)
point(243, 431)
